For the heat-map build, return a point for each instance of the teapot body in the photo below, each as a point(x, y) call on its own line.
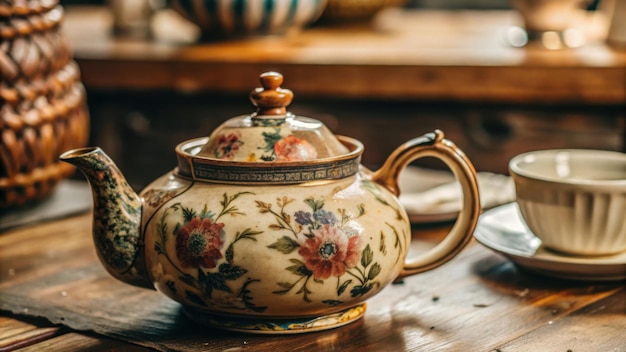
point(275, 251)
point(288, 248)
point(270, 224)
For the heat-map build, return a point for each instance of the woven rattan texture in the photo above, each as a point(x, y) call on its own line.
point(43, 108)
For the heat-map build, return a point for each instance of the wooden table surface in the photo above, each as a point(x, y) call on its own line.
point(410, 54)
point(477, 302)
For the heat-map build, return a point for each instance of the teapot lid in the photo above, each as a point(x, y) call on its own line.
point(272, 134)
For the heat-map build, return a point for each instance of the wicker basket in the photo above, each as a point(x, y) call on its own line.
point(43, 108)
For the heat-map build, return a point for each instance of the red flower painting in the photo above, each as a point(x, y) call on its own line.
point(292, 148)
point(330, 252)
point(227, 146)
point(199, 242)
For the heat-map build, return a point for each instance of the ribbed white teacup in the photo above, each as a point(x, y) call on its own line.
point(574, 200)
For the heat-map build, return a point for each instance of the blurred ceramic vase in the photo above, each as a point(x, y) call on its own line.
point(551, 22)
point(237, 18)
point(131, 18)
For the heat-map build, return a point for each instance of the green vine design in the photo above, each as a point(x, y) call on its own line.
point(270, 139)
point(374, 189)
point(398, 242)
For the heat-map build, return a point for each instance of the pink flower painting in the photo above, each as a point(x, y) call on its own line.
point(292, 148)
point(330, 252)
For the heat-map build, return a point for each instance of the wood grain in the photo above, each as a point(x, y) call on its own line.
point(15, 334)
point(477, 302)
point(79, 342)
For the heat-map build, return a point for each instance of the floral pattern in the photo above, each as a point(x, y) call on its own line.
point(276, 147)
point(322, 247)
point(227, 146)
point(328, 247)
point(330, 252)
point(292, 148)
point(200, 242)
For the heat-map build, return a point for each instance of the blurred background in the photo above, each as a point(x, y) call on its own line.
point(498, 77)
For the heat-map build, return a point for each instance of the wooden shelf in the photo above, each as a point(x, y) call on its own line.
point(414, 55)
point(406, 73)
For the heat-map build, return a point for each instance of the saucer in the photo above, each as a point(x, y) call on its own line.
point(503, 230)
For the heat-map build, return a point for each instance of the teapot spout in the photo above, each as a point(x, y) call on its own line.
point(116, 215)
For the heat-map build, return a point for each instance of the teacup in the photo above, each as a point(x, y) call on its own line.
point(574, 200)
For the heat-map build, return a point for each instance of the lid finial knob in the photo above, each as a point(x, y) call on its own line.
point(270, 99)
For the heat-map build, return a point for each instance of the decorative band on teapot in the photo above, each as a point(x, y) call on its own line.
point(216, 170)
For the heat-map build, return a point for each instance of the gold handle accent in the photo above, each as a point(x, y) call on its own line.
point(435, 145)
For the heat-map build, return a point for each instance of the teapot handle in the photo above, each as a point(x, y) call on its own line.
point(435, 145)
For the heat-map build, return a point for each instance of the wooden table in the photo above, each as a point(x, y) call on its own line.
point(477, 302)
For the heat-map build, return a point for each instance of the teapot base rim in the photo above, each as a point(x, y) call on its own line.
point(276, 326)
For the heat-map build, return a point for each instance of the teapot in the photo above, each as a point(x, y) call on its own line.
point(270, 224)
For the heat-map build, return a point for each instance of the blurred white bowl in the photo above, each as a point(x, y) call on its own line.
point(232, 18)
point(574, 200)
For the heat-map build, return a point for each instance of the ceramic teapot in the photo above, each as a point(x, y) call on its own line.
point(269, 225)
